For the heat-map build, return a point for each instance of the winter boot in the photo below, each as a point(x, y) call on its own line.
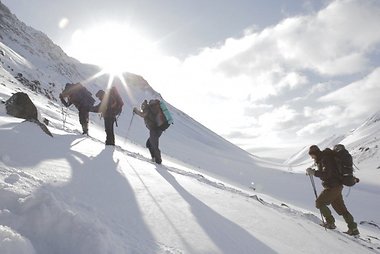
point(352, 232)
point(85, 129)
point(330, 221)
point(351, 224)
point(328, 225)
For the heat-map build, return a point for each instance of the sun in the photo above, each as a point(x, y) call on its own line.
point(115, 47)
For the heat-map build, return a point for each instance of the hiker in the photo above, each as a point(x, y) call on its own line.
point(110, 107)
point(155, 132)
point(82, 99)
point(332, 193)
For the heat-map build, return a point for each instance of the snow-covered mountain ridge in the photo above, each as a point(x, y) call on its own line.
point(363, 143)
point(31, 53)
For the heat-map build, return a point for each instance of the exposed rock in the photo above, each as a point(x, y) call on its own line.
point(20, 105)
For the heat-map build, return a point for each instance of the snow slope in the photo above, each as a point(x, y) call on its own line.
point(71, 194)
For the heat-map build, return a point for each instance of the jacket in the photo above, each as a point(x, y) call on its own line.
point(148, 116)
point(327, 169)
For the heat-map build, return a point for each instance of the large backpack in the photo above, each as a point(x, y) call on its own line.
point(87, 99)
point(161, 114)
point(344, 164)
point(79, 95)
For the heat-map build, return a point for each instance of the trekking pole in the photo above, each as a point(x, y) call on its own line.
point(316, 196)
point(64, 113)
point(129, 127)
point(64, 116)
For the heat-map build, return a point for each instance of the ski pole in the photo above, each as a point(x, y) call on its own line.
point(355, 166)
point(64, 112)
point(316, 196)
point(129, 127)
point(64, 116)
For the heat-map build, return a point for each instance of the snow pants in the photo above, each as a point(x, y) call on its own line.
point(83, 118)
point(152, 144)
point(333, 196)
point(108, 126)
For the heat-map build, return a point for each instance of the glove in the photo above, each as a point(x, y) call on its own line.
point(310, 171)
point(135, 110)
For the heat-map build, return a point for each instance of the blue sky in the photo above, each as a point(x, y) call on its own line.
point(270, 76)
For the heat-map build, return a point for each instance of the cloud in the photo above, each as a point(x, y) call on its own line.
point(335, 41)
point(315, 127)
point(359, 99)
point(320, 120)
point(257, 109)
point(279, 118)
point(285, 80)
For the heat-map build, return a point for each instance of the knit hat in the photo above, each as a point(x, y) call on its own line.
point(100, 93)
point(314, 150)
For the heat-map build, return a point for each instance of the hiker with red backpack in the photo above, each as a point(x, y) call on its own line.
point(82, 99)
point(110, 107)
point(157, 119)
point(328, 172)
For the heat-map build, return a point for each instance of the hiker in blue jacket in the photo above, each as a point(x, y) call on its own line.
point(154, 131)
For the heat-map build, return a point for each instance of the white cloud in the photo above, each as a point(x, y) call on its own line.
point(278, 118)
point(359, 99)
point(333, 42)
point(293, 80)
point(315, 127)
point(278, 66)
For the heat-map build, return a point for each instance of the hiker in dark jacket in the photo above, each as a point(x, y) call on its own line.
point(155, 132)
point(110, 106)
point(332, 193)
point(82, 99)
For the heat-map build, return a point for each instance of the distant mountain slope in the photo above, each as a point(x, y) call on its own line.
point(363, 143)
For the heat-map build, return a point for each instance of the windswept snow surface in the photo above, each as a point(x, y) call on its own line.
point(71, 194)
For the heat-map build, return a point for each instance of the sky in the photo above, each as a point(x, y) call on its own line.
point(269, 76)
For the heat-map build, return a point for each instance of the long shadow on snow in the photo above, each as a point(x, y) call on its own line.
point(55, 217)
point(226, 235)
point(98, 184)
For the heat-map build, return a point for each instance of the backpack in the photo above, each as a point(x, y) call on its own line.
point(79, 95)
point(344, 164)
point(87, 99)
point(114, 94)
point(161, 115)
